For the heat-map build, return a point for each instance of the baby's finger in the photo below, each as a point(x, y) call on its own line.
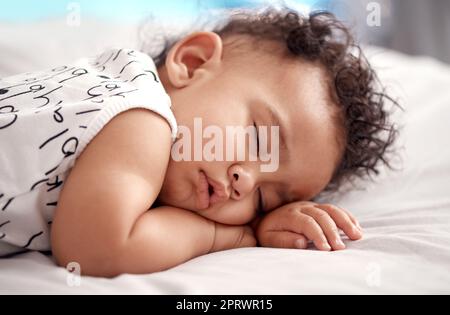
point(342, 220)
point(284, 239)
point(352, 217)
point(306, 225)
point(328, 226)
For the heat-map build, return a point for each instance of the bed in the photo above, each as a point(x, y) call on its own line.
point(405, 213)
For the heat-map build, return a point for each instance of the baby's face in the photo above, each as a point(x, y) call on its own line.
point(243, 95)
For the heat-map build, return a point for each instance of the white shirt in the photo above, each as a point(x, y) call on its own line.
point(46, 121)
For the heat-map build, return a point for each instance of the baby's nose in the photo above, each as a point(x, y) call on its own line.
point(242, 182)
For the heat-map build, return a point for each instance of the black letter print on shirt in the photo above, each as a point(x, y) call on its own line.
point(53, 185)
point(45, 98)
point(3, 235)
point(8, 110)
point(57, 115)
point(69, 147)
point(75, 74)
point(32, 89)
point(93, 94)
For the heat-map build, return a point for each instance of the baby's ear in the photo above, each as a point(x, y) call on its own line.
point(192, 57)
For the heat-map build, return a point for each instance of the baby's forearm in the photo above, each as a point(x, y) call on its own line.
point(166, 237)
point(163, 238)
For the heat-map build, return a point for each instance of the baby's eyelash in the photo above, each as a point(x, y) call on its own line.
point(260, 196)
point(257, 138)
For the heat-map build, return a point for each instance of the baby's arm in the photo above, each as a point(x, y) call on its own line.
point(166, 237)
point(102, 221)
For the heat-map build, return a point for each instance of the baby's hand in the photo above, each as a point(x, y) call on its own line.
point(293, 225)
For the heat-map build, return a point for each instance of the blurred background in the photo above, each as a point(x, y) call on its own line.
point(417, 27)
point(32, 10)
point(34, 32)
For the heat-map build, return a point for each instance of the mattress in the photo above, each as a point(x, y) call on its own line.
point(405, 213)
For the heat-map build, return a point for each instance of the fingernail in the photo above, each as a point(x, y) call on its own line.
point(340, 243)
point(326, 246)
point(300, 244)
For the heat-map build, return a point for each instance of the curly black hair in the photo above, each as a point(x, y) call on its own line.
point(365, 133)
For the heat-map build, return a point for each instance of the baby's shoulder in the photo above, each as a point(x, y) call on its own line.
point(135, 140)
point(128, 157)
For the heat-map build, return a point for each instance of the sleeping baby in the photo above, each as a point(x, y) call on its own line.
point(124, 163)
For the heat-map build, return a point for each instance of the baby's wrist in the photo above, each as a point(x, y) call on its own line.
point(229, 237)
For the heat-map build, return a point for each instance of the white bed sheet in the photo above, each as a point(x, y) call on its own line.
point(406, 214)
